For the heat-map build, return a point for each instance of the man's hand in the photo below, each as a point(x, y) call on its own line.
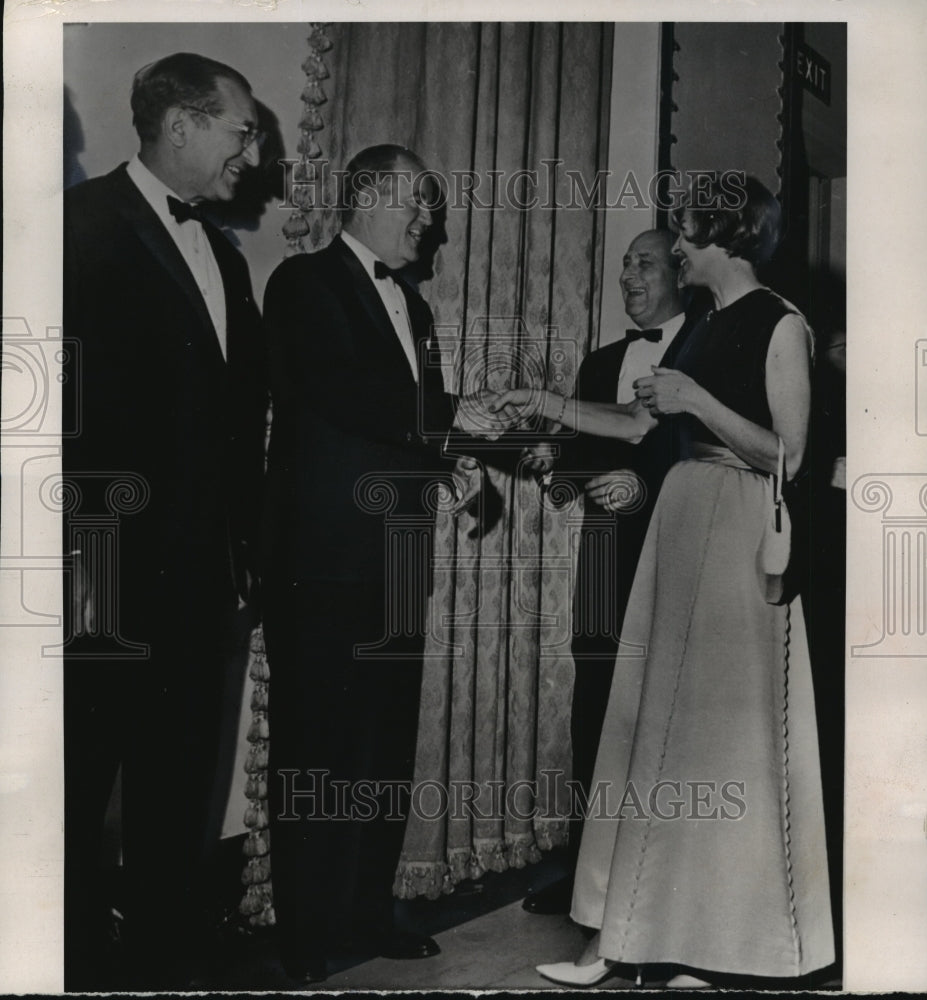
point(539, 458)
point(620, 490)
point(518, 406)
point(468, 479)
point(475, 417)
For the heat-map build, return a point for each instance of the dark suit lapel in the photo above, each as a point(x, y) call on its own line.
point(370, 299)
point(366, 291)
point(600, 374)
point(427, 351)
point(610, 388)
point(237, 288)
point(143, 219)
point(420, 324)
point(419, 320)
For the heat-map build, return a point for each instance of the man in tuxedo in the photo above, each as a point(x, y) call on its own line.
point(620, 483)
point(170, 388)
point(358, 426)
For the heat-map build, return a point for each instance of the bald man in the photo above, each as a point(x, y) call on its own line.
point(620, 483)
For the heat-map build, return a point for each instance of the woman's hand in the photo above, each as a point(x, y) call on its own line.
point(519, 406)
point(668, 391)
point(475, 417)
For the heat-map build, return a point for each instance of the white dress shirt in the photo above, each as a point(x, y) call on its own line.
point(191, 241)
point(392, 297)
point(642, 354)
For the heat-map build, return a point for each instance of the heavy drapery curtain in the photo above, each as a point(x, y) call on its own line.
point(515, 292)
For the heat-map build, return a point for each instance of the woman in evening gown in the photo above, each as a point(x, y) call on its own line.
point(706, 848)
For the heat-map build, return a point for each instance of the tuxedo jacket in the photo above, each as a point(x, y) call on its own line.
point(584, 456)
point(355, 442)
point(156, 399)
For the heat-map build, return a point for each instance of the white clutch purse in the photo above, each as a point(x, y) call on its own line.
point(775, 550)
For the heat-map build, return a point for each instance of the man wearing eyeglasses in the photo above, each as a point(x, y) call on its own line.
point(169, 383)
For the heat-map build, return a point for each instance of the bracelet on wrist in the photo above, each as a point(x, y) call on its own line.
point(560, 411)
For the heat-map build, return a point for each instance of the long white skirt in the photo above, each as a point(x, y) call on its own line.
point(706, 845)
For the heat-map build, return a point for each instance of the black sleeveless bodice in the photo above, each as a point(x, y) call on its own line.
point(726, 354)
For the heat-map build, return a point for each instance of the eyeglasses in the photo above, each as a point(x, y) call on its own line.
point(246, 133)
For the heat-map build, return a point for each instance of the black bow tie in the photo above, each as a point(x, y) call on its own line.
point(654, 336)
point(381, 270)
point(183, 210)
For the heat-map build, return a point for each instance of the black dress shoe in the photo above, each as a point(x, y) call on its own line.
point(554, 898)
point(407, 944)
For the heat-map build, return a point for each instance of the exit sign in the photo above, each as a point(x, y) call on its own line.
point(814, 72)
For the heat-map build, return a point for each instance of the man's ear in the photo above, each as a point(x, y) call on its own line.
point(175, 126)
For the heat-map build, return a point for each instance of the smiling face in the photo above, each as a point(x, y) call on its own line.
point(393, 226)
point(212, 159)
point(648, 280)
point(698, 265)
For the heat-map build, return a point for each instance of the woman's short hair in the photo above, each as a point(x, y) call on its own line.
point(737, 213)
point(183, 78)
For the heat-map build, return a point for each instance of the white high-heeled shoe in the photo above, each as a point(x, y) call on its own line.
point(686, 982)
point(571, 974)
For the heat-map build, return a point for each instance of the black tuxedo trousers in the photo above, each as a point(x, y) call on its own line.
point(343, 735)
point(355, 447)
